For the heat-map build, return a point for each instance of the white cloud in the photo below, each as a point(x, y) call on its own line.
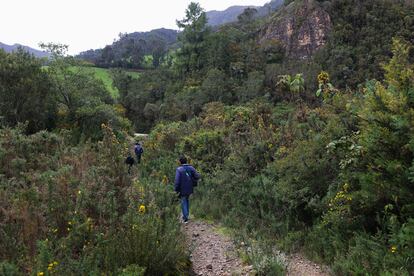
point(87, 24)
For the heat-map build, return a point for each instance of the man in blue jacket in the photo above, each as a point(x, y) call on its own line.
point(186, 178)
point(138, 151)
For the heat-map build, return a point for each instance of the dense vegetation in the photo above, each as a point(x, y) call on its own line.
point(313, 155)
point(67, 205)
point(362, 37)
point(323, 170)
point(73, 210)
point(332, 179)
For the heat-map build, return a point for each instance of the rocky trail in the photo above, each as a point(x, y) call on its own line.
point(213, 253)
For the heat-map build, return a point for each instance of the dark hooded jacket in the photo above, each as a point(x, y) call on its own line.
point(185, 176)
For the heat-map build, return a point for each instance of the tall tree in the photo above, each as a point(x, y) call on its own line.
point(191, 56)
point(25, 91)
point(158, 52)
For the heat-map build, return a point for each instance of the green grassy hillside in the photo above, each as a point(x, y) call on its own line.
point(105, 75)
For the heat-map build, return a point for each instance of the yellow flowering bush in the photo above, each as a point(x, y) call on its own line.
point(141, 209)
point(339, 207)
point(323, 77)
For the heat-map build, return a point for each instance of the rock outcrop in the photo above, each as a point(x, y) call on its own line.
point(302, 27)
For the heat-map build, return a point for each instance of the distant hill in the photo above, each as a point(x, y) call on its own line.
point(270, 7)
point(130, 49)
point(14, 47)
point(216, 18)
point(168, 35)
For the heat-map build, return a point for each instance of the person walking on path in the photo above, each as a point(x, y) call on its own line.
point(130, 162)
point(138, 151)
point(186, 178)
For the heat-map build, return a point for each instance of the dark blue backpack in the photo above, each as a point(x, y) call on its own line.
point(194, 178)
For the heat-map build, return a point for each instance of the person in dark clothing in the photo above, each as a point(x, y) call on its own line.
point(138, 151)
point(186, 178)
point(130, 161)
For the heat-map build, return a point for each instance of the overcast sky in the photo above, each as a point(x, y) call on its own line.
point(87, 24)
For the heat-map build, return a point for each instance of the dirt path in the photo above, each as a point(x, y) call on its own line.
point(213, 253)
point(299, 266)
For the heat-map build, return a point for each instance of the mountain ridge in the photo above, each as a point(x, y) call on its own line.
point(229, 15)
point(216, 18)
point(12, 48)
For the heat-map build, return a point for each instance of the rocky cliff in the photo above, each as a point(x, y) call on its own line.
point(302, 27)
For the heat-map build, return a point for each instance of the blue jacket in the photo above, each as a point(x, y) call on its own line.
point(183, 181)
point(138, 150)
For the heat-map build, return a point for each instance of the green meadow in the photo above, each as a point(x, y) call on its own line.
point(106, 77)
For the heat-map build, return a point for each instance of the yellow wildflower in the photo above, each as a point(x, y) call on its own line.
point(51, 266)
point(346, 187)
point(393, 249)
point(40, 273)
point(141, 209)
point(323, 77)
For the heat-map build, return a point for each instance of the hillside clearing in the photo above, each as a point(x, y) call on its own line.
point(105, 75)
